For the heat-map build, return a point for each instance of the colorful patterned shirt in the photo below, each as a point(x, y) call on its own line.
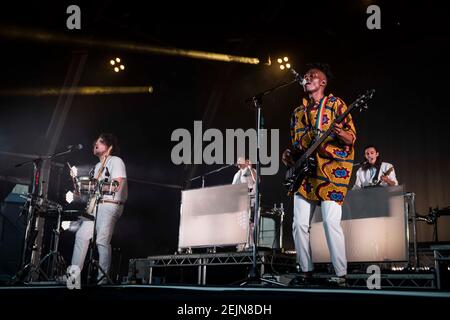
point(334, 158)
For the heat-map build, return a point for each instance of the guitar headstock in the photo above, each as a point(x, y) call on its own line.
point(361, 101)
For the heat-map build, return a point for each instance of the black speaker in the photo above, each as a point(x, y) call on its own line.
point(12, 234)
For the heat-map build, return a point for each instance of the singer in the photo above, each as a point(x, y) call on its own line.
point(110, 167)
point(328, 186)
point(374, 172)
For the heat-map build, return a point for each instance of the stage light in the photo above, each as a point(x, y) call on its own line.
point(65, 225)
point(56, 91)
point(150, 89)
point(48, 37)
point(69, 196)
point(74, 171)
point(117, 66)
point(283, 63)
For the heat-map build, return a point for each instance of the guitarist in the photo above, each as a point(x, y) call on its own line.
point(110, 208)
point(327, 186)
point(374, 172)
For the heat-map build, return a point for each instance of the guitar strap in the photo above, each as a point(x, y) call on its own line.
point(102, 167)
point(320, 112)
point(317, 127)
point(375, 177)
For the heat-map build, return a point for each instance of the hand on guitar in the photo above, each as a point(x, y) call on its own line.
point(386, 179)
point(287, 158)
point(341, 134)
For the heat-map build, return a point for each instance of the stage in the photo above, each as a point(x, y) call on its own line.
point(237, 301)
point(187, 285)
point(178, 149)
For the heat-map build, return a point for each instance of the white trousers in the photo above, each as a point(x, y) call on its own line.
point(331, 214)
point(107, 216)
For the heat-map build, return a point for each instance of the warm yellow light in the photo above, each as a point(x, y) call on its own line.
point(285, 59)
point(112, 62)
point(122, 67)
point(116, 69)
point(56, 91)
point(288, 65)
point(118, 59)
point(279, 60)
point(119, 46)
point(282, 67)
point(150, 89)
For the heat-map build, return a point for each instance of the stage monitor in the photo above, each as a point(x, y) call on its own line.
point(214, 216)
point(375, 225)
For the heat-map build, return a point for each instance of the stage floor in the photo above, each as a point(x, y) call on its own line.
point(236, 301)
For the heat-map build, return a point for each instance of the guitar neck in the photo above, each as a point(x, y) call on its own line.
point(103, 163)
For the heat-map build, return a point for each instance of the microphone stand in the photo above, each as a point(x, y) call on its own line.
point(40, 159)
point(210, 172)
point(253, 276)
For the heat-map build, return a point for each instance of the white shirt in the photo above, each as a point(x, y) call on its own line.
point(364, 178)
point(245, 176)
point(115, 167)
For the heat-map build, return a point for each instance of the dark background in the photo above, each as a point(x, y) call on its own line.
point(406, 62)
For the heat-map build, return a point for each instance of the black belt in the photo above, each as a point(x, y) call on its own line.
point(119, 203)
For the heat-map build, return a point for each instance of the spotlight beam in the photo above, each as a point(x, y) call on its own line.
point(77, 91)
point(43, 36)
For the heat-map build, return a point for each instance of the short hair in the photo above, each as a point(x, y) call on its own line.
point(371, 146)
point(109, 140)
point(324, 67)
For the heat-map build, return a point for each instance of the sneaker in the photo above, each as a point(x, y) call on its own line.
point(338, 281)
point(102, 281)
point(303, 279)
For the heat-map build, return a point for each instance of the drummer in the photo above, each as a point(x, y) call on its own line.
point(111, 172)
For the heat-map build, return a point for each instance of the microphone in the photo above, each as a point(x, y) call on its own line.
point(360, 163)
point(298, 77)
point(75, 147)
